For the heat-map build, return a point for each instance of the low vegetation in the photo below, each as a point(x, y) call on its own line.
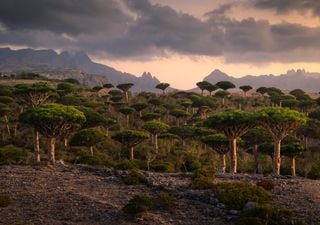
point(235, 195)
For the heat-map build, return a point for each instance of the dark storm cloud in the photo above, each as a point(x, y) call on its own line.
point(139, 29)
point(284, 6)
point(63, 16)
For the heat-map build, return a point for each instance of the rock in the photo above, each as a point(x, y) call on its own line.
point(249, 206)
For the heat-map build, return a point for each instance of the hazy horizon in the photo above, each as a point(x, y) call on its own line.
point(178, 41)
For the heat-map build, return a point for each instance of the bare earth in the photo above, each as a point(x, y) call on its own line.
point(83, 195)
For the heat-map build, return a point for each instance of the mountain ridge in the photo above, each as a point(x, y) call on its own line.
point(293, 79)
point(76, 65)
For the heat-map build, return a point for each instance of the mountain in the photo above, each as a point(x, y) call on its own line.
point(76, 65)
point(293, 79)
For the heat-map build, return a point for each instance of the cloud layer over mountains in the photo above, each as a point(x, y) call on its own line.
point(141, 29)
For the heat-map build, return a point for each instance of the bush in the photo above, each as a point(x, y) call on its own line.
point(133, 178)
point(10, 154)
point(138, 204)
point(267, 185)
point(162, 167)
point(165, 201)
point(268, 215)
point(202, 179)
point(235, 195)
point(95, 160)
point(5, 200)
point(129, 165)
point(314, 172)
point(202, 182)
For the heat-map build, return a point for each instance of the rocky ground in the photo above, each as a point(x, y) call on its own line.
point(84, 195)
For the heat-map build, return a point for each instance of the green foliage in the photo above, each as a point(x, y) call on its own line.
point(5, 200)
point(52, 119)
point(65, 88)
point(276, 119)
point(155, 127)
point(139, 106)
point(150, 116)
point(245, 88)
point(138, 204)
point(314, 172)
point(130, 138)
point(225, 85)
point(11, 155)
point(267, 215)
point(202, 182)
point(130, 165)
point(88, 160)
point(87, 137)
point(93, 118)
point(165, 201)
point(221, 94)
point(5, 90)
point(266, 184)
point(162, 86)
point(236, 194)
point(262, 90)
point(125, 86)
point(183, 132)
point(126, 110)
point(218, 142)
point(71, 81)
point(162, 167)
point(134, 177)
point(203, 84)
point(6, 99)
point(155, 102)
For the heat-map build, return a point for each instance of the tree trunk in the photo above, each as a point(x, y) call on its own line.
point(127, 97)
point(222, 101)
point(65, 143)
point(131, 153)
point(293, 166)
point(233, 155)
point(36, 145)
point(156, 143)
point(223, 163)
point(127, 120)
point(91, 150)
point(107, 131)
point(51, 150)
point(7, 124)
point(256, 159)
point(276, 157)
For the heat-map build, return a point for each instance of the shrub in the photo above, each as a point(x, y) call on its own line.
point(138, 204)
point(268, 215)
point(165, 201)
point(267, 185)
point(129, 165)
point(10, 154)
point(314, 172)
point(133, 178)
point(202, 182)
point(235, 195)
point(162, 167)
point(95, 160)
point(202, 179)
point(5, 200)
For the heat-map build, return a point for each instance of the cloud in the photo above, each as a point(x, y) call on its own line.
point(60, 16)
point(285, 6)
point(140, 29)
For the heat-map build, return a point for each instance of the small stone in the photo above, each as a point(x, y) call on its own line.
point(249, 206)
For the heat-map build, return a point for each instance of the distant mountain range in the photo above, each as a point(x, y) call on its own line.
point(77, 65)
point(291, 80)
point(80, 66)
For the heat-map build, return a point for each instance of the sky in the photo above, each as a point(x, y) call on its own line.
point(178, 41)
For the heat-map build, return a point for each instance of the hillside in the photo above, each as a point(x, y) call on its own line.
point(85, 195)
point(77, 65)
point(291, 80)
